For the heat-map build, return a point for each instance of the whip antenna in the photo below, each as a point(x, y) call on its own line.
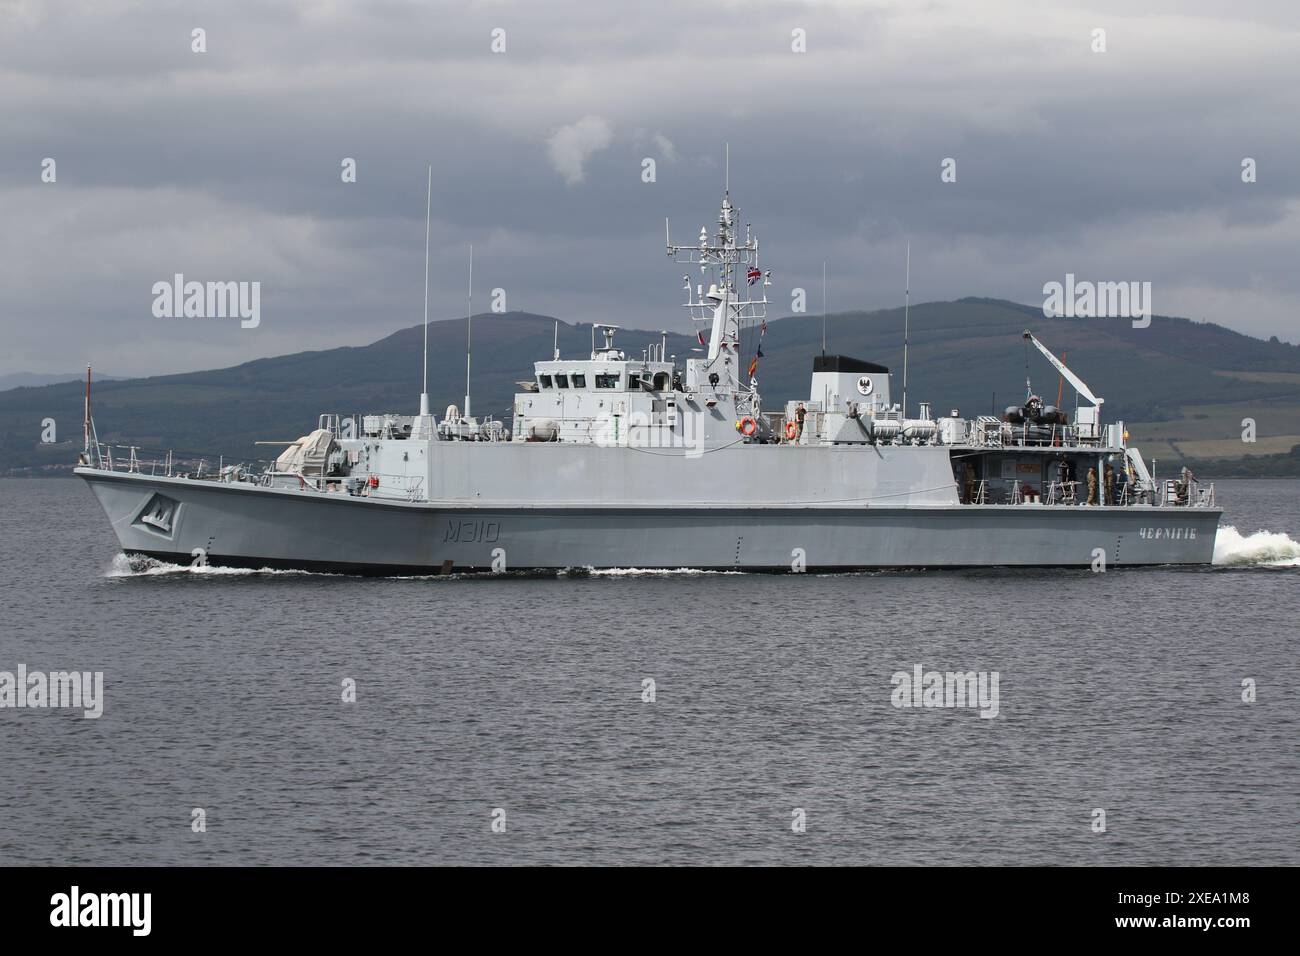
point(428, 206)
point(907, 301)
point(823, 309)
point(469, 325)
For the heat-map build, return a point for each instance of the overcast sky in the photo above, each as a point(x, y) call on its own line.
point(225, 165)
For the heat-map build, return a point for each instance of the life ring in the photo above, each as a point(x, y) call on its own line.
point(373, 481)
point(748, 426)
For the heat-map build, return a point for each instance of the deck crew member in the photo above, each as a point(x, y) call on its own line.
point(799, 415)
point(1183, 490)
point(1109, 484)
point(1092, 486)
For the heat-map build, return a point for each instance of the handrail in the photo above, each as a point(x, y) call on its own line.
point(989, 432)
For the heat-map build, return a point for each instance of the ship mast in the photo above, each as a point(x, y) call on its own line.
point(86, 423)
point(721, 259)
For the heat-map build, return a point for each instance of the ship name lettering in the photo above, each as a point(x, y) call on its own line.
point(1176, 534)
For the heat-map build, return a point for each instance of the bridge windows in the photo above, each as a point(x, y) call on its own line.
point(561, 381)
point(579, 380)
point(606, 380)
point(544, 381)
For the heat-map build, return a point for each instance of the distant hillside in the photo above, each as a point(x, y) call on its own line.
point(32, 379)
point(1183, 387)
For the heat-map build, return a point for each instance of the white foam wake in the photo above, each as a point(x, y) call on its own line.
point(652, 572)
point(1262, 548)
point(136, 565)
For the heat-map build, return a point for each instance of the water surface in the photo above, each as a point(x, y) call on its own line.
point(1119, 691)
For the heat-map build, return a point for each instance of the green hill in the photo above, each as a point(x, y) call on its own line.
point(1183, 387)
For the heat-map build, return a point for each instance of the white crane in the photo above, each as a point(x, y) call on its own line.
point(1079, 385)
point(1088, 419)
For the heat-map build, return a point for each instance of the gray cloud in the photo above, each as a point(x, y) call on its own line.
point(569, 147)
point(225, 165)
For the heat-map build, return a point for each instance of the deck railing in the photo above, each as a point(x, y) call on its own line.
point(410, 487)
point(126, 459)
point(989, 432)
point(1176, 494)
point(1167, 495)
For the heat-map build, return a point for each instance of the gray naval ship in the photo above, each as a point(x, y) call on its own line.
point(618, 461)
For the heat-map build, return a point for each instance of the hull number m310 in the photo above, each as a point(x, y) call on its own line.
point(472, 532)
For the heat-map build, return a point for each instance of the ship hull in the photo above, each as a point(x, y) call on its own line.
point(240, 525)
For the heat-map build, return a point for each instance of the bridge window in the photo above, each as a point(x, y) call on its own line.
point(661, 381)
point(544, 381)
point(634, 381)
point(579, 380)
point(606, 381)
point(561, 381)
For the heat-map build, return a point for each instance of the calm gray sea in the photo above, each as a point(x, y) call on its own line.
point(1119, 691)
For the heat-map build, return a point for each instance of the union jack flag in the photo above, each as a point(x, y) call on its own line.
point(754, 275)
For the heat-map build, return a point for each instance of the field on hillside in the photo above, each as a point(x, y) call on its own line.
point(1215, 431)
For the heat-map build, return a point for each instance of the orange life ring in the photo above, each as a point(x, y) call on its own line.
point(748, 426)
point(791, 430)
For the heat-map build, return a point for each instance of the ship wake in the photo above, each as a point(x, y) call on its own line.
point(651, 572)
point(138, 565)
point(1266, 549)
